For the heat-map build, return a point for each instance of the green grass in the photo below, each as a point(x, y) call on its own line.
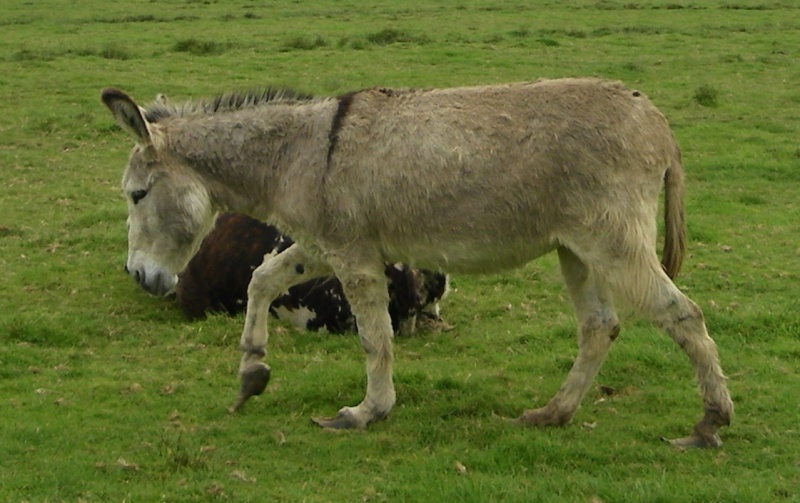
point(107, 394)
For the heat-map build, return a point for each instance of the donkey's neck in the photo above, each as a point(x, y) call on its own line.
point(249, 159)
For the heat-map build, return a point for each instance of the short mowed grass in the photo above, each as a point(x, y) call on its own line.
point(107, 394)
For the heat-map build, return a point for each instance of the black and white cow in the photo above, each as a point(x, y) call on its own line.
point(217, 277)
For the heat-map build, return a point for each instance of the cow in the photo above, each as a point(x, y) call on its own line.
point(216, 280)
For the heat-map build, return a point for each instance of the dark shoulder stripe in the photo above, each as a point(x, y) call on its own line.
point(345, 101)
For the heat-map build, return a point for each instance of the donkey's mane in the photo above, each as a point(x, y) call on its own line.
point(162, 108)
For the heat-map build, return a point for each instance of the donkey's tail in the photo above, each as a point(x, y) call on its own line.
point(674, 223)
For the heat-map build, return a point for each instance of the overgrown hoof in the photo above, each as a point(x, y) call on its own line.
point(254, 380)
point(541, 417)
point(344, 420)
point(705, 434)
point(695, 440)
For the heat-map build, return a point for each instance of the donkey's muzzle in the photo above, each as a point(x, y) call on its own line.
point(154, 282)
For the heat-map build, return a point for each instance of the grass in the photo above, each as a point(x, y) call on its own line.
point(107, 394)
point(198, 47)
point(389, 36)
point(706, 96)
point(304, 43)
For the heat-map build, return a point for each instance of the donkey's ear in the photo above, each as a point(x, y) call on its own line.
point(127, 113)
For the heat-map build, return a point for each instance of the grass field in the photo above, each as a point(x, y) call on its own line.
point(107, 394)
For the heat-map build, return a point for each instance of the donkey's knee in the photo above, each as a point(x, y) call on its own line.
point(603, 323)
point(597, 332)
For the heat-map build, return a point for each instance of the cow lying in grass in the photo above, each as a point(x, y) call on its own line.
point(217, 277)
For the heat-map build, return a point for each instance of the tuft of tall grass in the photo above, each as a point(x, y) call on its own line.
point(303, 43)
point(198, 47)
point(113, 51)
point(705, 96)
point(389, 36)
point(741, 6)
point(26, 54)
point(521, 32)
point(631, 66)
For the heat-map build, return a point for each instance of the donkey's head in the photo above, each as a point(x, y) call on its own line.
point(169, 208)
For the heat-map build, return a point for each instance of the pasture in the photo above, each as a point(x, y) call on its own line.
point(108, 394)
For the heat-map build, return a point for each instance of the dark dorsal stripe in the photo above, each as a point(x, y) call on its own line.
point(224, 103)
point(345, 101)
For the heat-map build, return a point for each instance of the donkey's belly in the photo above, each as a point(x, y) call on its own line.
point(467, 256)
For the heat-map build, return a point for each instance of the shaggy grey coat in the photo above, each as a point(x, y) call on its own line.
point(461, 180)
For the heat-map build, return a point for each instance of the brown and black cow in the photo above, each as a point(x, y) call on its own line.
point(217, 277)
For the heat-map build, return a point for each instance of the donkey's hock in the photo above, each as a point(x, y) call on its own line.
point(475, 179)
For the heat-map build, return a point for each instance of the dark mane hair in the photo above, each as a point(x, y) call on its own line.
point(162, 109)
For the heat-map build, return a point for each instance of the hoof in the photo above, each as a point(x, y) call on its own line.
point(254, 380)
point(540, 417)
point(344, 420)
point(705, 434)
point(695, 441)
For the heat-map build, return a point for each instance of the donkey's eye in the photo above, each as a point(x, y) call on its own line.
point(138, 195)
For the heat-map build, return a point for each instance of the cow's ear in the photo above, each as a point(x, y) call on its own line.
point(128, 114)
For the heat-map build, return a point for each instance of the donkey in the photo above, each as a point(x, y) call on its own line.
point(461, 180)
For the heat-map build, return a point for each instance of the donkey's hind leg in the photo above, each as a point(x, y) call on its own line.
point(367, 291)
point(271, 279)
point(658, 297)
point(598, 326)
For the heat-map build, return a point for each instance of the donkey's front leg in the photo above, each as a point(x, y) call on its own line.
point(271, 279)
point(368, 295)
